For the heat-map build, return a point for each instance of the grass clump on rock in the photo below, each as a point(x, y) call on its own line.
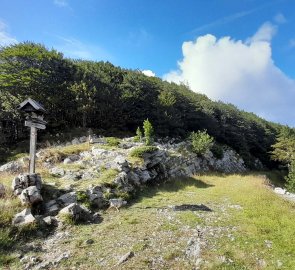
point(139, 152)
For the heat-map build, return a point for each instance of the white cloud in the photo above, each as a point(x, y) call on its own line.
point(242, 73)
point(265, 32)
point(280, 18)
point(5, 37)
point(61, 3)
point(148, 73)
point(76, 49)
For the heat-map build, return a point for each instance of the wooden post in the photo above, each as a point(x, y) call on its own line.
point(33, 140)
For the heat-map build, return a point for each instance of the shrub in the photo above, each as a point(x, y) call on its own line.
point(148, 132)
point(290, 184)
point(140, 151)
point(201, 142)
point(139, 135)
point(112, 141)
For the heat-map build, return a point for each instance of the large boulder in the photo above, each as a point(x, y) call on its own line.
point(30, 196)
point(24, 181)
point(23, 218)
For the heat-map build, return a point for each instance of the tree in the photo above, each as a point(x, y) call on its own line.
point(284, 151)
point(30, 70)
point(85, 97)
point(148, 132)
point(284, 148)
point(139, 135)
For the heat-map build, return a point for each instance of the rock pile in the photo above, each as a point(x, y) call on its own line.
point(28, 188)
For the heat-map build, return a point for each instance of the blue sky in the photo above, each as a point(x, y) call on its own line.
point(241, 52)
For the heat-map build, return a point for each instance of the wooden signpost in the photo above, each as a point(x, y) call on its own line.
point(35, 121)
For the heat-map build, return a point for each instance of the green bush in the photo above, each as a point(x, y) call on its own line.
point(290, 184)
point(217, 151)
point(148, 132)
point(201, 142)
point(112, 141)
point(140, 151)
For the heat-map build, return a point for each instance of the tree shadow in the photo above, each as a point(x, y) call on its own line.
point(172, 185)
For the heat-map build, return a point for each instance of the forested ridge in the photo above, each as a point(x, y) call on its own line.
point(101, 96)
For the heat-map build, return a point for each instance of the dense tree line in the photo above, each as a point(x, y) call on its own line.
point(102, 96)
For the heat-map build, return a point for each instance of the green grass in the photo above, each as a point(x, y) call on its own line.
point(139, 152)
point(245, 216)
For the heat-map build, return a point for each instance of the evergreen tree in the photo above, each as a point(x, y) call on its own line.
point(148, 132)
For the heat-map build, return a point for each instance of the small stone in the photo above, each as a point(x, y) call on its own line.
point(89, 241)
point(50, 221)
point(268, 243)
point(279, 190)
point(262, 263)
point(279, 264)
point(126, 257)
point(67, 161)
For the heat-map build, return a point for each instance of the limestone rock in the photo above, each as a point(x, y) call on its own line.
point(30, 196)
point(121, 163)
point(279, 190)
point(71, 175)
point(96, 197)
point(77, 212)
point(117, 203)
point(59, 172)
point(75, 141)
point(52, 208)
point(126, 257)
point(68, 198)
point(26, 180)
point(83, 139)
point(70, 159)
point(24, 217)
point(50, 221)
point(13, 166)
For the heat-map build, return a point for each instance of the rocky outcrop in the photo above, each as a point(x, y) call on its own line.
point(170, 160)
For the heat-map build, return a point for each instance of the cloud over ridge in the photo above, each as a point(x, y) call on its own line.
point(238, 72)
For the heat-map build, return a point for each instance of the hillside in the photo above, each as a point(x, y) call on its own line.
point(210, 221)
point(115, 101)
